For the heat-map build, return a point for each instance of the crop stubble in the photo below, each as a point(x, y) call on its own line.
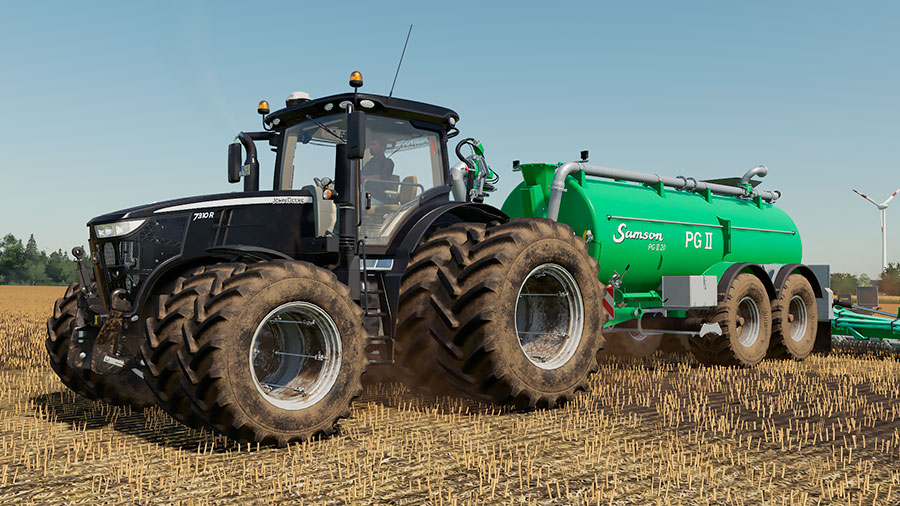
point(657, 431)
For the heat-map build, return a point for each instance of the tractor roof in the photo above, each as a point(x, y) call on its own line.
point(380, 105)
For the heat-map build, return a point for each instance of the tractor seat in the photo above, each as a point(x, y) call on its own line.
point(406, 194)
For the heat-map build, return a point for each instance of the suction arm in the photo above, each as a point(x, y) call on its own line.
point(760, 171)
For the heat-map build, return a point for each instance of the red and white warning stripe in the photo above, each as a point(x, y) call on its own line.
point(609, 301)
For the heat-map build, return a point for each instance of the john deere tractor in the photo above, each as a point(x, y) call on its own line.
point(256, 313)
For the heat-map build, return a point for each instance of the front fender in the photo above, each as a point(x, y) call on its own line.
point(180, 264)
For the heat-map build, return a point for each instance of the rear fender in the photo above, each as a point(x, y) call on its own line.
point(404, 244)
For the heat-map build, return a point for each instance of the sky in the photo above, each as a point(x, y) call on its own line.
point(105, 106)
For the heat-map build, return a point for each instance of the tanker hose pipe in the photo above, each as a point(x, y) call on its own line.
point(559, 186)
point(692, 186)
point(760, 171)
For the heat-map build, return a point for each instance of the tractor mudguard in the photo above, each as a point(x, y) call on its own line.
point(179, 263)
point(405, 243)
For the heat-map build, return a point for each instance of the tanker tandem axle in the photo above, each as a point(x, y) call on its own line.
point(713, 267)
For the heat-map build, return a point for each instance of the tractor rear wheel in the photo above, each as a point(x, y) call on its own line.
point(433, 268)
point(270, 352)
point(122, 389)
point(794, 320)
point(745, 317)
point(510, 315)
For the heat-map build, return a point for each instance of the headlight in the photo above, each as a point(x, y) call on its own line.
point(116, 229)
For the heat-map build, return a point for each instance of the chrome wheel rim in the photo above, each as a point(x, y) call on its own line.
point(798, 318)
point(749, 330)
point(295, 355)
point(549, 316)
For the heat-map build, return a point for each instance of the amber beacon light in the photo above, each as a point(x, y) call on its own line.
point(356, 80)
point(263, 107)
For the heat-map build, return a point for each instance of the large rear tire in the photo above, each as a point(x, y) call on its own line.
point(745, 317)
point(270, 352)
point(512, 314)
point(125, 388)
point(433, 269)
point(794, 320)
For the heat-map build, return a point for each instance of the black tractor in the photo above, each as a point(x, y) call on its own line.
point(257, 313)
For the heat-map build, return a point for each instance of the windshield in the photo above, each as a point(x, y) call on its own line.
point(401, 162)
point(309, 149)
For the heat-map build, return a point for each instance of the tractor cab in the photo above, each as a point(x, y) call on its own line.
point(401, 164)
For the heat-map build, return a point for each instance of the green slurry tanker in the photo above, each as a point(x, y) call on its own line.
point(709, 266)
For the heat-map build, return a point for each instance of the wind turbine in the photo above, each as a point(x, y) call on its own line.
point(882, 207)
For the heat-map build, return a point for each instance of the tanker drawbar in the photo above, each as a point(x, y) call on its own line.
point(710, 267)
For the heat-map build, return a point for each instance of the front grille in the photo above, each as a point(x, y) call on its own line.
point(125, 262)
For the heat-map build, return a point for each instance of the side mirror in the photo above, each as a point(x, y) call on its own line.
point(234, 162)
point(356, 135)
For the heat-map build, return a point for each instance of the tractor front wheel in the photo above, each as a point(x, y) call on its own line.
point(270, 352)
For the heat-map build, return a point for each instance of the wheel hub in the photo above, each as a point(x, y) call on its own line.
point(797, 318)
point(295, 355)
point(549, 316)
point(749, 327)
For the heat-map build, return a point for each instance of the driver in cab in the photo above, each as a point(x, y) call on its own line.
point(376, 173)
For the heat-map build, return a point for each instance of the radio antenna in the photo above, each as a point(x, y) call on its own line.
point(401, 62)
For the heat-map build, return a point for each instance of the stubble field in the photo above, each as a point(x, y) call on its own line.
point(662, 431)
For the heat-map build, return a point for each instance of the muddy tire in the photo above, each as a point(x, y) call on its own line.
point(433, 269)
point(123, 389)
point(270, 352)
point(794, 320)
point(746, 320)
point(511, 314)
point(59, 336)
point(632, 345)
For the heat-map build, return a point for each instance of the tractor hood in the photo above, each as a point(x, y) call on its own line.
point(205, 203)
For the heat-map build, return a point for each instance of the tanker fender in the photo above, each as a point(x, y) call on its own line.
point(727, 271)
point(788, 269)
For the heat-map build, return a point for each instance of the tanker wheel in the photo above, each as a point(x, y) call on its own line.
point(271, 352)
point(123, 389)
point(632, 344)
point(745, 317)
point(794, 320)
point(509, 315)
point(433, 268)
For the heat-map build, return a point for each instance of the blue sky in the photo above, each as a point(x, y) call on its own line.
point(109, 105)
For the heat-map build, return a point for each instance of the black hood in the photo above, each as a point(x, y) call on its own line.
point(212, 201)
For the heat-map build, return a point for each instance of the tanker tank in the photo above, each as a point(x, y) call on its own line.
point(660, 231)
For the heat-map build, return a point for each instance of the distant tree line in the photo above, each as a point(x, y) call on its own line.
point(888, 283)
point(27, 265)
